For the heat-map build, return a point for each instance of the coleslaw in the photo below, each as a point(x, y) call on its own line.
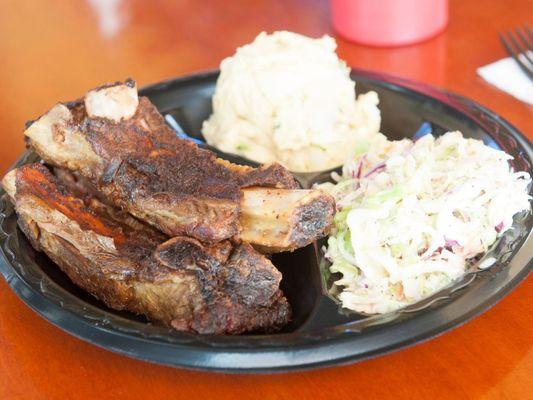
point(411, 215)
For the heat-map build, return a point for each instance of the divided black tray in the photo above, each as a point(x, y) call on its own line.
point(321, 333)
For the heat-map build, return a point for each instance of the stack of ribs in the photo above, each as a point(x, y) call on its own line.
point(150, 223)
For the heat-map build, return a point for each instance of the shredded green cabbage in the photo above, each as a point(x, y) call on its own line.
point(410, 215)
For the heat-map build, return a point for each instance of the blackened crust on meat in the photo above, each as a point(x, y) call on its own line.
point(139, 164)
point(224, 313)
point(168, 182)
point(168, 164)
point(249, 277)
point(129, 266)
point(193, 253)
point(122, 145)
point(312, 220)
point(163, 162)
point(272, 175)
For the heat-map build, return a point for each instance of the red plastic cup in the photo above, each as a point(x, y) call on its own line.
point(389, 22)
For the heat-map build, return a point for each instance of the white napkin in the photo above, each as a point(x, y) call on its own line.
point(506, 75)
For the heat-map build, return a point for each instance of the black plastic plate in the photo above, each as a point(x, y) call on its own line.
point(321, 333)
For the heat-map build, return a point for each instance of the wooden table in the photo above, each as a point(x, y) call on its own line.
point(55, 50)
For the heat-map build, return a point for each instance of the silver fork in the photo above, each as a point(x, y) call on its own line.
point(519, 44)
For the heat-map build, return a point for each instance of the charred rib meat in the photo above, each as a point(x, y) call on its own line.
point(121, 144)
point(223, 288)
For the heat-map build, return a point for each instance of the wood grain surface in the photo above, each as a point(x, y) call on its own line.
point(55, 50)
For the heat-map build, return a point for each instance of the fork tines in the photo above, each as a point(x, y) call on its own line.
point(519, 45)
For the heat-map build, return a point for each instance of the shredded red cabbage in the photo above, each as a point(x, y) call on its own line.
point(377, 168)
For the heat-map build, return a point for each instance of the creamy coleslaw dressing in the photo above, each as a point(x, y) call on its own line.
point(411, 215)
